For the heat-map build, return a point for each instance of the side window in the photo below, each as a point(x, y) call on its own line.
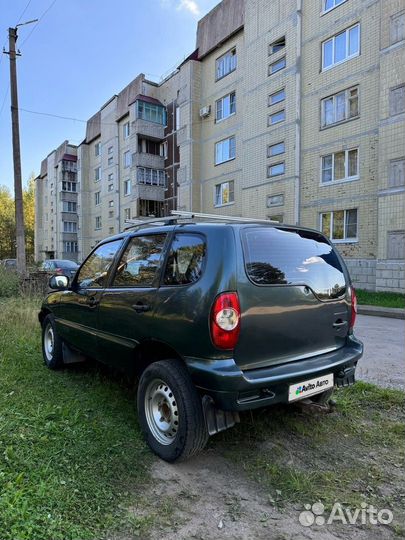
point(140, 262)
point(185, 261)
point(93, 273)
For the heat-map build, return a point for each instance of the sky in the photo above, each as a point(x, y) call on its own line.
point(79, 54)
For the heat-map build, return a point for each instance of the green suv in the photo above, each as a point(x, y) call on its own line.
point(213, 317)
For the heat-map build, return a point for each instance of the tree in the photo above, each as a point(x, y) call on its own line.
point(7, 221)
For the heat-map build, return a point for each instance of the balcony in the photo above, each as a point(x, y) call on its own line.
point(148, 192)
point(150, 161)
point(151, 130)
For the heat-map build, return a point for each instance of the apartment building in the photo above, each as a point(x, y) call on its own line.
point(56, 207)
point(292, 110)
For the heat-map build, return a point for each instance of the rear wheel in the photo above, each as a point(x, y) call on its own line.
point(51, 344)
point(170, 411)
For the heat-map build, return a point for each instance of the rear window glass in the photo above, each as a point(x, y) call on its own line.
point(275, 256)
point(185, 260)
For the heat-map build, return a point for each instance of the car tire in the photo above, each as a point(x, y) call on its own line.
point(170, 411)
point(51, 344)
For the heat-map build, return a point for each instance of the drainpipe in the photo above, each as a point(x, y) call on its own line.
point(297, 181)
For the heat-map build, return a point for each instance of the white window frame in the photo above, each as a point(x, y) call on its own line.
point(126, 130)
point(281, 91)
point(127, 187)
point(73, 204)
point(127, 213)
point(333, 40)
point(393, 18)
point(97, 198)
point(269, 167)
point(233, 63)
point(270, 146)
point(98, 224)
point(347, 107)
point(70, 246)
point(97, 149)
point(280, 201)
point(391, 99)
point(347, 178)
point(97, 174)
point(126, 163)
point(272, 115)
point(223, 101)
point(336, 3)
point(276, 43)
point(343, 240)
point(282, 59)
point(70, 226)
point(221, 142)
point(222, 186)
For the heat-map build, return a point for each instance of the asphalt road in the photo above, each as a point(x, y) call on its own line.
point(383, 362)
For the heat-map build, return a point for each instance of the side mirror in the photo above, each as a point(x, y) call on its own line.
point(59, 282)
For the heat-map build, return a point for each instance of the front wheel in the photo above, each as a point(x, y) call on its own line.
point(170, 411)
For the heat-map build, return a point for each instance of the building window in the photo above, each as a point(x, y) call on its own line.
point(340, 225)
point(277, 45)
point(69, 206)
point(126, 130)
point(397, 100)
point(97, 174)
point(110, 187)
point(340, 166)
point(151, 112)
point(111, 177)
point(225, 150)
point(110, 149)
point(147, 146)
point(341, 47)
point(276, 217)
point(111, 213)
point(225, 107)
point(396, 245)
point(276, 118)
point(277, 66)
point(340, 107)
point(276, 170)
point(71, 247)
point(127, 187)
point(98, 222)
point(330, 4)
point(277, 97)
point(397, 28)
point(110, 230)
point(224, 193)
point(97, 198)
point(97, 149)
point(177, 119)
point(127, 159)
point(127, 213)
point(69, 226)
point(110, 204)
point(152, 177)
point(276, 149)
point(225, 64)
point(110, 161)
point(69, 186)
point(396, 177)
point(275, 200)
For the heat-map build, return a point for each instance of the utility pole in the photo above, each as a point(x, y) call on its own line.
point(18, 193)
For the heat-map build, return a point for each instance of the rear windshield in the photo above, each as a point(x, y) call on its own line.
point(67, 264)
point(276, 256)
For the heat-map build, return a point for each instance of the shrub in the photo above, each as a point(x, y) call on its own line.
point(9, 283)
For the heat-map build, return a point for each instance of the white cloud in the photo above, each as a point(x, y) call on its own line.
point(189, 5)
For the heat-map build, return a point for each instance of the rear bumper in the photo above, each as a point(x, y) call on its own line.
point(233, 389)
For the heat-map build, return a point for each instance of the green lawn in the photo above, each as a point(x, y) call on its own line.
point(71, 455)
point(383, 299)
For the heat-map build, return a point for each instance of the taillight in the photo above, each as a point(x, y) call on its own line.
point(225, 321)
point(354, 308)
point(58, 271)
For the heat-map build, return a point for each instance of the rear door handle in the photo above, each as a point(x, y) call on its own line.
point(92, 301)
point(339, 324)
point(140, 307)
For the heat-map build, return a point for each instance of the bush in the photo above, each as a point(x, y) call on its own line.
point(9, 283)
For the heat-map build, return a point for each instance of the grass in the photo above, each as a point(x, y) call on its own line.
point(299, 457)
point(383, 299)
point(72, 459)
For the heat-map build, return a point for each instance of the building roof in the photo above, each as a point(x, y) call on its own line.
point(148, 99)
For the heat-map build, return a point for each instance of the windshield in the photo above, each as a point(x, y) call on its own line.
point(276, 256)
point(66, 264)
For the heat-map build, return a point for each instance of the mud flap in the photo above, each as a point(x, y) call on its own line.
point(216, 419)
point(70, 356)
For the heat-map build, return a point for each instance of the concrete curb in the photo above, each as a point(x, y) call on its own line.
point(395, 313)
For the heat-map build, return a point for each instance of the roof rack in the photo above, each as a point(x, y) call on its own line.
point(177, 215)
point(218, 217)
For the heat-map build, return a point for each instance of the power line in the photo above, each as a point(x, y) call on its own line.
point(39, 20)
point(24, 10)
point(41, 113)
point(4, 99)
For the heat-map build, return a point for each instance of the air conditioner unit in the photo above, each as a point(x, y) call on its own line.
point(205, 111)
